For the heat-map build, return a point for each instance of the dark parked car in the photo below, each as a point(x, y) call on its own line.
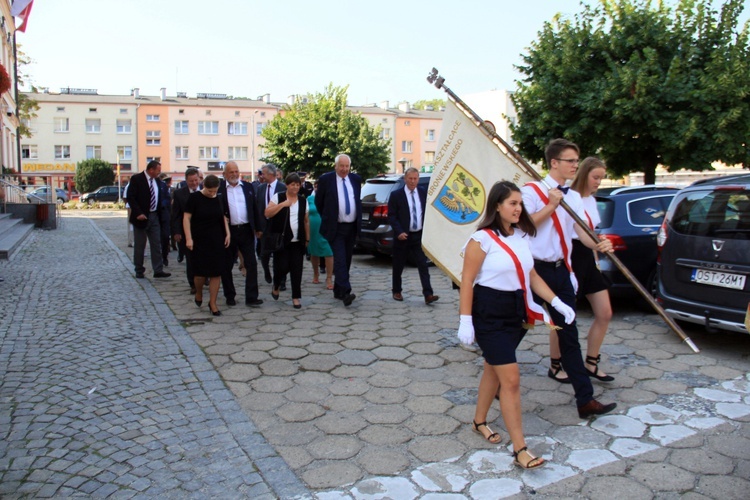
point(631, 217)
point(44, 195)
point(377, 235)
point(104, 194)
point(704, 244)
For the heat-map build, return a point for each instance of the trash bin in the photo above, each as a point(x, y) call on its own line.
point(42, 213)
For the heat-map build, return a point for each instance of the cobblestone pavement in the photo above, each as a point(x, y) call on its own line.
point(375, 400)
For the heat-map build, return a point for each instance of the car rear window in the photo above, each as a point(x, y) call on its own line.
point(721, 212)
point(377, 191)
point(606, 208)
point(648, 211)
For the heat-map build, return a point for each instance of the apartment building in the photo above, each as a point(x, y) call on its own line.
point(8, 111)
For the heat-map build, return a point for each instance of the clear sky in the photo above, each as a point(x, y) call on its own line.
point(382, 49)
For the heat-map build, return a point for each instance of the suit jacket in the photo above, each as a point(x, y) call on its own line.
point(253, 216)
point(399, 215)
point(179, 202)
point(139, 197)
point(327, 202)
point(261, 195)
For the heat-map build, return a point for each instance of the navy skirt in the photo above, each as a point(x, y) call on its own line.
point(498, 318)
point(590, 278)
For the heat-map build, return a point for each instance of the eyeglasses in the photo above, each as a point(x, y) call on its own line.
point(569, 160)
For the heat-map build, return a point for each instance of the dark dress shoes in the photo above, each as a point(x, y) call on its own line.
point(268, 277)
point(253, 303)
point(398, 297)
point(430, 299)
point(594, 407)
point(231, 302)
point(162, 275)
point(140, 275)
point(348, 299)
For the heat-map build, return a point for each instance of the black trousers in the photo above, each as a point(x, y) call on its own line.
point(343, 249)
point(188, 261)
point(402, 250)
point(557, 278)
point(289, 260)
point(243, 241)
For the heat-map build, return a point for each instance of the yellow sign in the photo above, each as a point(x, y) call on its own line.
point(39, 168)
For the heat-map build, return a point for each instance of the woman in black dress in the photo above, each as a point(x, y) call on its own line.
point(207, 237)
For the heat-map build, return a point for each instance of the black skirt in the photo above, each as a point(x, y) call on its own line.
point(498, 318)
point(590, 278)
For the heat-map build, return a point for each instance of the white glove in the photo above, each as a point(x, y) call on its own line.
point(564, 309)
point(466, 329)
point(574, 282)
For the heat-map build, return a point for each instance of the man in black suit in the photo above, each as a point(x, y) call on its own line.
point(406, 216)
point(338, 202)
point(165, 216)
point(241, 209)
point(143, 197)
point(270, 187)
point(179, 202)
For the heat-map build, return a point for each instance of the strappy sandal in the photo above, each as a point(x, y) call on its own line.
point(493, 438)
point(594, 361)
point(555, 367)
point(533, 462)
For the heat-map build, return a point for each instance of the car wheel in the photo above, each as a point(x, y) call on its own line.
point(90, 201)
point(60, 201)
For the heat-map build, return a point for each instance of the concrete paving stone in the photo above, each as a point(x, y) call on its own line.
point(306, 394)
point(704, 423)
point(428, 404)
point(386, 435)
point(554, 397)
point(701, 461)
point(359, 344)
point(348, 371)
point(331, 475)
point(295, 341)
point(319, 362)
point(240, 372)
point(615, 487)
point(345, 403)
point(432, 425)
point(436, 448)
point(424, 348)
point(486, 489)
point(300, 412)
point(441, 477)
point(717, 395)
point(619, 426)
point(579, 438)
point(313, 378)
point(340, 423)
point(730, 446)
point(720, 372)
point(272, 384)
point(384, 380)
point(425, 361)
point(663, 477)
point(654, 414)
point(278, 368)
point(735, 411)
point(386, 396)
point(675, 435)
point(378, 460)
point(636, 396)
point(356, 357)
point(586, 459)
point(348, 387)
point(391, 353)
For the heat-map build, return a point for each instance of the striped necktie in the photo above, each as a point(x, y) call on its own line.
point(153, 194)
point(413, 212)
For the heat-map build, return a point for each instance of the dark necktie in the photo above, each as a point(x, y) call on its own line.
point(563, 189)
point(268, 195)
point(347, 206)
point(413, 212)
point(153, 195)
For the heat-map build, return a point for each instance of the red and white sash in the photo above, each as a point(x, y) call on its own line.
point(556, 223)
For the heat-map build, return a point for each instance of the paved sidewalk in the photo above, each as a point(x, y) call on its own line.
point(367, 402)
point(103, 393)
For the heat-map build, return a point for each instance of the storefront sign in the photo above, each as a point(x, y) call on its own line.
point(47, 168)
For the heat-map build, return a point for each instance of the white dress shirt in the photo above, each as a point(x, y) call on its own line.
point(294, 216)
point(237, 204)
point(418, 206)
point(352, 216)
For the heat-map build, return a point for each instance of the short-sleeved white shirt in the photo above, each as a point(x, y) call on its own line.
point(589, 206)
point(498, 270)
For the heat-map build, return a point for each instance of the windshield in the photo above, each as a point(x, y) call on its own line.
point(377, 191)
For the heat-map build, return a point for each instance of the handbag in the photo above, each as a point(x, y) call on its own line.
point(273, 242)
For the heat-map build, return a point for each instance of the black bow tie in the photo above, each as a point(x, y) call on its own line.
point(563, 189)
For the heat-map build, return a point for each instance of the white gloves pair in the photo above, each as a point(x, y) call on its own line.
point(574, 282)
point(466, 329)
point(564, 309)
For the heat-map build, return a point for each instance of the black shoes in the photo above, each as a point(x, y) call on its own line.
point(216, 313)
point(275, 296)
point(231, 302)
point(253, 303)
point(140, 275)
point(348, 299)
point(594, 407)
point(269, 278)
point(162, 275)
point(594, 361)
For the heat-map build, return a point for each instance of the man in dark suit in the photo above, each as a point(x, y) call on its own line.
point(179, 202)
point(143, 197)
point(270, 187)
point(165, 216)
point(406, 216)
point(338, 202)
point(241, 209)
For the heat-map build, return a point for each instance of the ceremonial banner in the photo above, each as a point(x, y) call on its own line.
point(468, 163)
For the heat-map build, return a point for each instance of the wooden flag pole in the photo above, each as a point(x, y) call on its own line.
point(439, 82)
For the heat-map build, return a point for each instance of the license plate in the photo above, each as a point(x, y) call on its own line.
point(365, 216)
point(718, 278)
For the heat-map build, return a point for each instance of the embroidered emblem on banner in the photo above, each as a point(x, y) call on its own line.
point(461, 199)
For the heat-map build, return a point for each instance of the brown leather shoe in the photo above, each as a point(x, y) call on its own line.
point(430, 299)
point(594, 407)
point(398, 296)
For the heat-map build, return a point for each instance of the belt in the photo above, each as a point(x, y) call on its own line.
point(544, 263)
point(346, 223)
point(240, 225)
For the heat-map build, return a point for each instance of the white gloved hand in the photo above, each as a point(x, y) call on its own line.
point(466, 329)
point(564, 309)
point(574, 282)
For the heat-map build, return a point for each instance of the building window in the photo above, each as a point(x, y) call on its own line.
point(153, 158)
point(62, 125)
point(237, 128)
point(237, 153)
point(29, 152)
point(429, 157)
point(236, 113)
point(123, 111)
point(62, 152)
point(385, 133)
point(181, 112)
point(208, 128)
point(124, 126)
point(429, 134)
point(406, 146)
point(153, 137)
point(93, 152)
point(259, 128)
point(208, 152)
point(181, 152)
point(92, 110)
point(125, 153)
point(93, 126)
point(152, 118)
point(208, 112)
point(181, 127)
point(61, 108)
point(407, 123)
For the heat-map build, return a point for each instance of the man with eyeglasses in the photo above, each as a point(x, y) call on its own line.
point(551, 248)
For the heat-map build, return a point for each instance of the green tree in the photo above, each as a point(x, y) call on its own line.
point(26, 106)
point(640, 86)
point(309, 134)
point(92, 174)
point(435, 104)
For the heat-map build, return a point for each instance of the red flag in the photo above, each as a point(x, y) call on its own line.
point(22, 9)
